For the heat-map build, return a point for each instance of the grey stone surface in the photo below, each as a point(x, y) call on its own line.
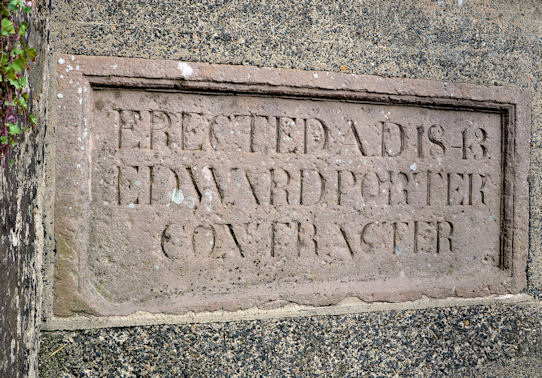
point(445, 341)
point(21, 234)
point(479, 42)
point(514, 367)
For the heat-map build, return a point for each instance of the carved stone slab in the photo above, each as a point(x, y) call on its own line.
point(190, 187)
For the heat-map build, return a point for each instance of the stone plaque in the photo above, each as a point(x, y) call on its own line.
point(191, 187)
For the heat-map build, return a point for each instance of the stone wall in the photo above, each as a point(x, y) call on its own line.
point(21, 229)
point(477, 42)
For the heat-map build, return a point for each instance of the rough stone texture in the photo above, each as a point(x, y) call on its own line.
point(478, 42)
point(173, 197)
point(21, 231)
point(457, 341)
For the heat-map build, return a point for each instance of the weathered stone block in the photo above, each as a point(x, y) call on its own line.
point(191, 187)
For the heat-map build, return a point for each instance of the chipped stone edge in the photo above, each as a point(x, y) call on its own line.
point(347, 306)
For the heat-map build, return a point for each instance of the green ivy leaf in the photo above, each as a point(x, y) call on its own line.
point(22, 102)
point(14, 82)
point(13, 5)
point(13, 129)
point(11, 162)
point(32, 119)
point(18, 64)
point(31, 53)
point(22, 81)
point(11, 73)
point(17, 51)
point(22, 28)
point(7, 26)
point(3, 139)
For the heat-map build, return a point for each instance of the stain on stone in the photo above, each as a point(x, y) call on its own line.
point(99, 104)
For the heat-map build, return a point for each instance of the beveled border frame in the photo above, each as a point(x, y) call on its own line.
point(78, 75)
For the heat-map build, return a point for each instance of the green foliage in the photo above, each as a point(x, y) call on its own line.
point(14, 63)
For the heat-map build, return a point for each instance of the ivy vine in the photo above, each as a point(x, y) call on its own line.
point(15, 60)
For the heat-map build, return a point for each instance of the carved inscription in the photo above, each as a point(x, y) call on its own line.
point(208, 194)
point(350, 162)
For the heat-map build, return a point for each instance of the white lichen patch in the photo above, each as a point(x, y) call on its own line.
point(177, 196)
point(185, 69)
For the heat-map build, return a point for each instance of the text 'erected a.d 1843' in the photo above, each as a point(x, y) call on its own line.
point(201, 187)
